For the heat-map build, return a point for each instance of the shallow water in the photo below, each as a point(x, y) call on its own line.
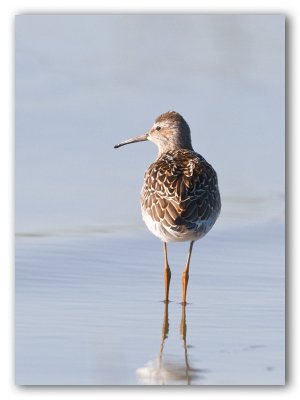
point(89, 309)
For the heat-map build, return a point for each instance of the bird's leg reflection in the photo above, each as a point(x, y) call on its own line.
point(170, 368)
point(186, 370)
point(164, 332)
point(183, 337)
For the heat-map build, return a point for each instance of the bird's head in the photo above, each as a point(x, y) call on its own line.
point(169, 132)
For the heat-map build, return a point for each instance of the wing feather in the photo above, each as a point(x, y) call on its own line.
point(181, 189)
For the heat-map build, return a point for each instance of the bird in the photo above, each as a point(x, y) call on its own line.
point(180, 198)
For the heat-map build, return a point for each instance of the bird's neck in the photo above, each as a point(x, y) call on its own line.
point(171, 146)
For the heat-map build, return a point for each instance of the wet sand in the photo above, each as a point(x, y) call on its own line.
point(89, 309)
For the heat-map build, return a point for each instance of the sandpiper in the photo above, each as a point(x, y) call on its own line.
point(180, 199)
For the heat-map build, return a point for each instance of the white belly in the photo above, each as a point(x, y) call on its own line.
point(167, 234)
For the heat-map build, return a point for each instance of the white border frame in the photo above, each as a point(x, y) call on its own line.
point(8, 10)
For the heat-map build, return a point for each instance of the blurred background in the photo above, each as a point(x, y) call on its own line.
point(85, 82)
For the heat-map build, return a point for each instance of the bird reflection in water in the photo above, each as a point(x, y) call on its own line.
point(166, 370)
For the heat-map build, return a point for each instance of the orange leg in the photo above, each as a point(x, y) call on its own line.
point(185, 275)
point(167, 274)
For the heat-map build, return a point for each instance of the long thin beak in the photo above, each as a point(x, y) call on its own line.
point(141, 138)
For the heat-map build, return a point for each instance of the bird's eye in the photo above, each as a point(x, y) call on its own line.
point(158, 128)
